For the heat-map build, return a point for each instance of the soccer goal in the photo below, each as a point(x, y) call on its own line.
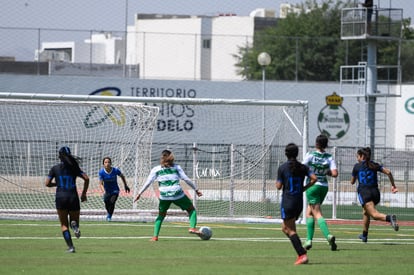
point(33, 129)
point(230, 147)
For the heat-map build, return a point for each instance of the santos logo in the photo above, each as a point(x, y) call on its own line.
point(99, 114)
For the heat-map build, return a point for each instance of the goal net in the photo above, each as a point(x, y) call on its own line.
point(33, 130)
point(231, 148)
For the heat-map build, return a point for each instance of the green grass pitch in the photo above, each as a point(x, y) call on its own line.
point(37, 247)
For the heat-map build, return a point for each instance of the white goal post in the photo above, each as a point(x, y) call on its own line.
point(35, 126)
point(230, 147)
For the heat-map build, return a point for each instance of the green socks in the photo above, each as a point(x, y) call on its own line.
point(310, 226)
point(157, 225)
point(193, 218)
point(324, 227)
point(160, 219)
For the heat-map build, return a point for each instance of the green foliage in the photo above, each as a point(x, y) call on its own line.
point(307, 46)
point(407, 57)
point(407, 52)
point(408, 32)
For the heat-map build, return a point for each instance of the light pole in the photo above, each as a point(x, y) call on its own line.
point(126, 39)
point(264, 60)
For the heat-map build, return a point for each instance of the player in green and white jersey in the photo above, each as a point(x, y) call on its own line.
point(168, 175)
point(323, 165)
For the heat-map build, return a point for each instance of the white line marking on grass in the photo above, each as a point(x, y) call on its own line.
point(387, 241)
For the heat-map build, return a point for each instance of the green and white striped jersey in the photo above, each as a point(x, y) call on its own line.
point(320, 163)
point(168, 179)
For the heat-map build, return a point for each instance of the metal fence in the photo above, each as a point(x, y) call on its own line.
point(80, 52)
point(253, 198)
point(341, 201)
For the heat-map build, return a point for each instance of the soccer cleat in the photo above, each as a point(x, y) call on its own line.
point(394, 223)
point(75, 229)
point(363, 238)
point(302, 259)
point(194, 231)
point(331, 241)
point(154, 239)
point(109, 218)
point(71, 250)
point(308, 244)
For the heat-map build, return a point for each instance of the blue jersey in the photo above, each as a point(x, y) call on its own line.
point(292, 197)
point(65, 179)
point(110, 180)
point(367, 177)
point(292, 184)
point(66, 194)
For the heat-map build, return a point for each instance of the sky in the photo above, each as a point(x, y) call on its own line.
point(112, 15)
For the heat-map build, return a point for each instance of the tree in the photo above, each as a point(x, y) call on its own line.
point(407, 52)
point(307, 46)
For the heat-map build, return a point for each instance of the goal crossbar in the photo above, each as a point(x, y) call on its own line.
point(193, 101)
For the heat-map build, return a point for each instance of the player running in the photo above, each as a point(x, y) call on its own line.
point(109, 185)
point(67, 199)
point(322, 164)
point(368, 193)
point(290, 178)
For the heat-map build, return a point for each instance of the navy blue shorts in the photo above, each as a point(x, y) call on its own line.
point(110, 198)
point(68, 202)
point(369, 194)
point(291, 208)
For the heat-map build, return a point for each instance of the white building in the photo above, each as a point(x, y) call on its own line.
point(107, 49)
point(69, 51)
point(192, 47)
point(286, 8)
point(169, 46)
point(100, 48)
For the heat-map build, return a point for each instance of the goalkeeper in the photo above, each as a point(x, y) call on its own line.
point(109, 185)
point(168, 175)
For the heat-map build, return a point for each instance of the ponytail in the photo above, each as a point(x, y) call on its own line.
point(69, 160)
point(366, 152)
point(291, 152)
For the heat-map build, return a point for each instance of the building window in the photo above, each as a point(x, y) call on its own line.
point(409, 142)
point(206, 43)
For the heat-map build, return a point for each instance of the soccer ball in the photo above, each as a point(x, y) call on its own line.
point(206, 233)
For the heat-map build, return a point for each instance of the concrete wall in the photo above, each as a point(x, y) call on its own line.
point(400, 122)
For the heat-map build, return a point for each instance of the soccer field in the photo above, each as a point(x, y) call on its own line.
point(37, 247)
